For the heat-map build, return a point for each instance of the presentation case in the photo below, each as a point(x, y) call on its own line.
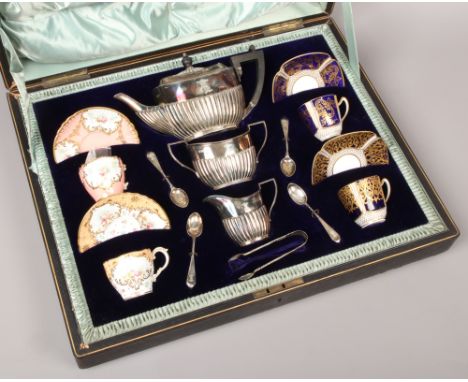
point(100, 325)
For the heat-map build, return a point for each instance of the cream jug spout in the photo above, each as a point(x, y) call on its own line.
point(245, 220)
point(229, 207)
point(132, 103)
point(223, 204)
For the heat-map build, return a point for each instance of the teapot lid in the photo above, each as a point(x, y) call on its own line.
point(192, 73)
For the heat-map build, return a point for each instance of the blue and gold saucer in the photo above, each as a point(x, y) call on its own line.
point(349, 151)
point(305, 72)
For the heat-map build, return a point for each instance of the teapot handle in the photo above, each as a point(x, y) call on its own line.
point(169, 148)
point(265, 137)
point(251, 55)
point(273, 202)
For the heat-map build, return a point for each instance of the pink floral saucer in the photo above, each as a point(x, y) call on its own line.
point(90, 129)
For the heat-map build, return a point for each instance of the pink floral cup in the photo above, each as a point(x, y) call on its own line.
point(103, 177)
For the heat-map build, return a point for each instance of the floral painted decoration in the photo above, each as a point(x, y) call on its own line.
point(103, 177)
point(91, 129)
point(118, 215)
point(106, 120)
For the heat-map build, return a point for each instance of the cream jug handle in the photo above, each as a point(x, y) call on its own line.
point(273, 202)
point(169, 148)
point(251, 55)
point(164, 251)
point(263, 123)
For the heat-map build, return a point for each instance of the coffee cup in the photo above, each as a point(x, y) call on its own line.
point(132, 274)
point(103, 176)
point(365, 200)
point(323, 116)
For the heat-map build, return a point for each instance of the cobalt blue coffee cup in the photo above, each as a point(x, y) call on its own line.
point(323, 116)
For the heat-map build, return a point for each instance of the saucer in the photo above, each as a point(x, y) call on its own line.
point(305, 72)
point(118, 215)
point(90, 129)
point(349, 151)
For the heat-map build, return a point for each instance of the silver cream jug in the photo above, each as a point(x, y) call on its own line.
point(245, 219)
point(200, 101)
point(223, 163)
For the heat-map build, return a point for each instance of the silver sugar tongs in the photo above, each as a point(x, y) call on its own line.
point(249, 275)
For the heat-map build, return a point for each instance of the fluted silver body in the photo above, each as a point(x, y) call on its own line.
point(198, 116)
point(226, 171)
point(245, 219)
point(223, 163)
point(248, 228)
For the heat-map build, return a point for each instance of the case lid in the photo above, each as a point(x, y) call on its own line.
point(153, 27)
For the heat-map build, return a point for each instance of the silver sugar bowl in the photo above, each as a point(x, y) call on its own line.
point(226, 162)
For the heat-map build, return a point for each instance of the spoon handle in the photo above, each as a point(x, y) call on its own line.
point(192, 275)
point(285, 127)
point(334, 236)
point(155, 162)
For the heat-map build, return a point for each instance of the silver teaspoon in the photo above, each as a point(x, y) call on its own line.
point(178, 196)
point(298, 195)
point(194, 229)
point(287, 164)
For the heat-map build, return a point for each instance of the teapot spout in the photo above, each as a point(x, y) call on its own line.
point(133, 104)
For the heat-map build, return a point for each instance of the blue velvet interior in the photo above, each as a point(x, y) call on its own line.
point(214, 247)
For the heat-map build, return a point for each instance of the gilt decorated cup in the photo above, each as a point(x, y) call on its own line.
point(132, 274)
point(323, 116)
point(365, 200)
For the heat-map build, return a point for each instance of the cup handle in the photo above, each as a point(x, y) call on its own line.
point(273, 202)
point(169, 148)
point(165, 252)
point(387, 194)
point(263, 123)
point(346, 102)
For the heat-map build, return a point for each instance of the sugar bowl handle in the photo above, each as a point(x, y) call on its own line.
point(258, 57)
point(171, 153)
point(273, 202)
point(265, 137)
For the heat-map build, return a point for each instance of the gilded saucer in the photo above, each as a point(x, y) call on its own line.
point(349, 151)
point(305, 72)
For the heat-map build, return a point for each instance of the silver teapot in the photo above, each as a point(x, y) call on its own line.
point(200, 101)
